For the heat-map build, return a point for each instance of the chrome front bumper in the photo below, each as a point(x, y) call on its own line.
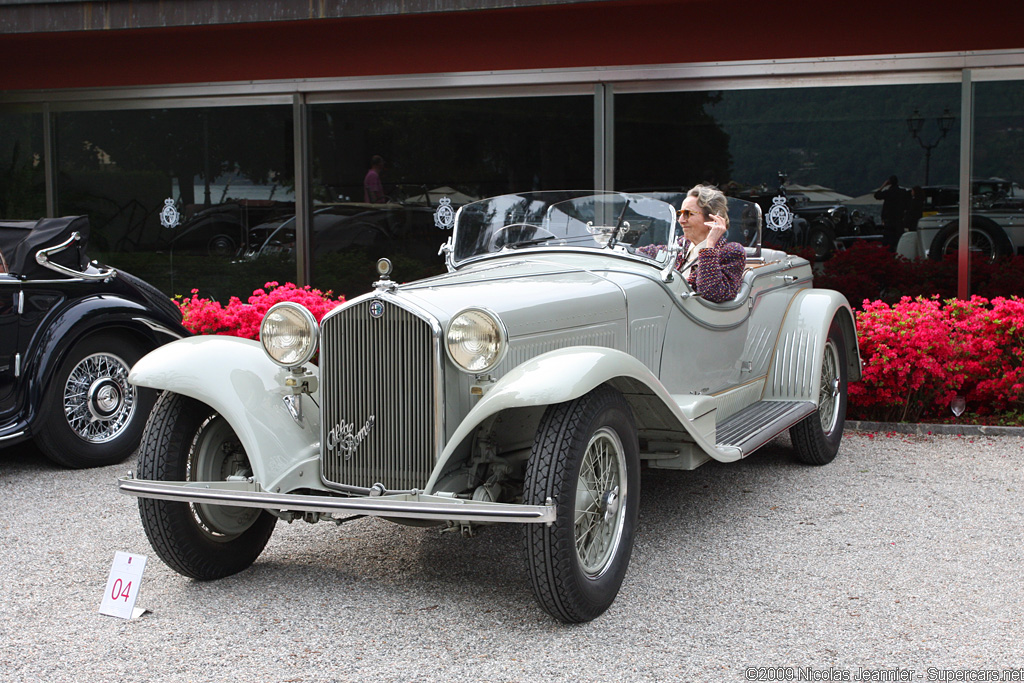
point(407, 505)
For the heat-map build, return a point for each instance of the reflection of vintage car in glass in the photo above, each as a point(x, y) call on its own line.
point(69, 332)
point(527, 385)
point(997, 222)
point(834, 226)
point(223, 229)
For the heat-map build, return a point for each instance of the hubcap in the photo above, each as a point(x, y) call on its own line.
point(98, 400)
point(600, 492)
point(215, 455)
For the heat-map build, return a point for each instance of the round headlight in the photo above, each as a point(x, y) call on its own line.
point(289, 334)
point(475, 340)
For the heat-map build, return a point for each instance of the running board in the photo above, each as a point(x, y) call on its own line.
point(757, 424)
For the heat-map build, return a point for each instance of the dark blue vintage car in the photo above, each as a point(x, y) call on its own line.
point(70, 330)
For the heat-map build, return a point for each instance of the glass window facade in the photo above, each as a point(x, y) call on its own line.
point(22, 167)
point(829, 147)
point(381, 169)
point(228, 172)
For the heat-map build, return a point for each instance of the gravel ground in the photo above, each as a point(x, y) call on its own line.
point(903, 555)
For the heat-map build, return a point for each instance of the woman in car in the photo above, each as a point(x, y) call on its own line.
point(712, 265)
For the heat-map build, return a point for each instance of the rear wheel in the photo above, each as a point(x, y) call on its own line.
point(987, 242)
point(585, 458)
point(92, 415)
point(817, 437)
point(187, 441)
point(822, 240)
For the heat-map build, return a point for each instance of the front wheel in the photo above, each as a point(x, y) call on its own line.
point(92, 416)
point(817, 437)
point(187, 441)
point(586, 459)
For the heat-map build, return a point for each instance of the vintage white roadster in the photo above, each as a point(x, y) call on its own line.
point(527, 385)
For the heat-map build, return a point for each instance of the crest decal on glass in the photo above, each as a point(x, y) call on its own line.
point(444, 216)
point(779, 216)
point(169, 216)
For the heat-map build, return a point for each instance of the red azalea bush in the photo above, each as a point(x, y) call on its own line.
point(237, 319)
point(920, 353)
point(870, 271)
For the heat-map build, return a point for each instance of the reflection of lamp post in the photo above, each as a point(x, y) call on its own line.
point(916, 122)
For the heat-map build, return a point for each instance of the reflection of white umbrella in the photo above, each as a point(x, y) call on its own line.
point(863, 200)
point(818, 194)
point(434, 196)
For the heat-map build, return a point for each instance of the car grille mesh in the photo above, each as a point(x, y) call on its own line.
point(383, 368)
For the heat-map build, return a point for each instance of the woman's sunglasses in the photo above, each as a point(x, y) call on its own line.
point(686, 213)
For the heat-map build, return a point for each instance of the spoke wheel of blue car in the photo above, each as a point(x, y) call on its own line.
point(586, 460)
point(816, 438)
point(187, 441)
point(92, 415)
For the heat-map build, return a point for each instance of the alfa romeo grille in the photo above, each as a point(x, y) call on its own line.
point(380, 415)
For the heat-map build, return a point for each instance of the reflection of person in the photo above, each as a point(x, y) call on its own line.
point(373, 188)
point(712, 265)
point(895, 204)
point(915, 208)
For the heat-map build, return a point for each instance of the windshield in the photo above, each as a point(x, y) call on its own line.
point(584, 219)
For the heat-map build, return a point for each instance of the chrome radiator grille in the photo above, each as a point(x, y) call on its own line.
point(379, 389)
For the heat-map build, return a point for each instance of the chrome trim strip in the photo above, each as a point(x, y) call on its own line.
point(15, 435)
point(157, 327)
point(42, 258)
point(409, 506)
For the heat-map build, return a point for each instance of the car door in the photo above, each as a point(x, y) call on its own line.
point(10, 300)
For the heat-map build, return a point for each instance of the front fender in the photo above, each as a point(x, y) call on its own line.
point(563, 375)
point(236, 378)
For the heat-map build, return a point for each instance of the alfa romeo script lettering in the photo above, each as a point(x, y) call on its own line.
point(343, 437)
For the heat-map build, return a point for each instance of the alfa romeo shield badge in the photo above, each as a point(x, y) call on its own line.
point(169, 216)
point(779, 216)
point(444, 216)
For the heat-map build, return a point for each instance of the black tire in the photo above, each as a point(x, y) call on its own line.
point(568, 586)
point(989, 241)
point(187, 440)
point(817, 437)
point(92, 416)
point(221, 245)
point(822, 239)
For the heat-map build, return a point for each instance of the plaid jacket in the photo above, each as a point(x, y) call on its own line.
point(717, 273)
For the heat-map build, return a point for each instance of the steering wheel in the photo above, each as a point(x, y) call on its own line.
point(529, 233)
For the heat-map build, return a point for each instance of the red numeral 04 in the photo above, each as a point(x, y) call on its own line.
point(121, 590)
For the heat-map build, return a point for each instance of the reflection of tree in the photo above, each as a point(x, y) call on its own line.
point(669, 142)
point(998, 133)
point(484, 147)
point(22, 188)
point(184, 143)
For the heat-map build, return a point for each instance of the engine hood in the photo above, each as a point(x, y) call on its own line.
point(530, 296)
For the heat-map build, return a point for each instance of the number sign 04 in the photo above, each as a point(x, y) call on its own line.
point(123, 586)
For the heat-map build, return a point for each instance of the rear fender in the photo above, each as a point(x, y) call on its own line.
point(796, 365)
point(236, 378)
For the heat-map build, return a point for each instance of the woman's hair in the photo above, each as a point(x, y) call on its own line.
point(710, 200)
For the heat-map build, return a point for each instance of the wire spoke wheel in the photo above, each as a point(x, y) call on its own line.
point(585, 460)
point(828, 390)
point(599, 515)
point(98, 400)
